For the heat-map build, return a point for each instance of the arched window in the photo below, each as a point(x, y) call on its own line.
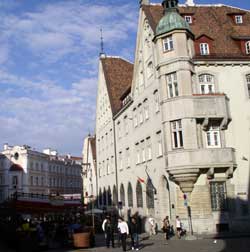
point(248, 47)
point(139, 198)
point(130, 195)
point(150, 194)
point(206, 82)
point(100, 197)
point(104, 197)
point(115, 198)
point(109, 197)
point(122, 195)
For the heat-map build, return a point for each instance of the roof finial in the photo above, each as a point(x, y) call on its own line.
point(102, 54)
point(170, 5)
point(190, 2)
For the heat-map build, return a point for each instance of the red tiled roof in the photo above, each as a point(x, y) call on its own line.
point(16, 167)
point(118, 75)
point(214, 22)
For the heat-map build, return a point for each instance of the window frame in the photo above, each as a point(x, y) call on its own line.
point(238, 19)
point(247, 47)
point(177, 134)
point(168, 44)
point(204, 49)
point(206, 83)
point(213, 130)
point(188, 19)
point(172, 85)
point(216, 195)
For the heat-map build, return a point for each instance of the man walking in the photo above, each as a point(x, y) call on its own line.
point(134, 231)
point(123, 228)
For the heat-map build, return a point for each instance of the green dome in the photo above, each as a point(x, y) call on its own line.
point(171, 21)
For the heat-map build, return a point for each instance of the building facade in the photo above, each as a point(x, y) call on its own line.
point(90, 181)
point(173, 129)
point(24, 170)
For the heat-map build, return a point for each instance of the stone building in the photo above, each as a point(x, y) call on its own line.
point(173, 129)
point(90, 182)
point(24, 170)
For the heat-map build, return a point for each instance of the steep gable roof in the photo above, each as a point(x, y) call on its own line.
point(118, 75)
point(212, 20)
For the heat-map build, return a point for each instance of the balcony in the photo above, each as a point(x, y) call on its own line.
point(201, 158)
point(197, 106)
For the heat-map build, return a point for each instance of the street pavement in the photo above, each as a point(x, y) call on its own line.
point(158, 244)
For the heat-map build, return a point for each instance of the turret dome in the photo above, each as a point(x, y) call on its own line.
point(171, 19)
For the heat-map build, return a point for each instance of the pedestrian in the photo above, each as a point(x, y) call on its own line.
point(109, 233)
point(166, 227)
point(152, 225)
point(134, 231)
point(124, 231)
point(178, 227)
point(103, 225)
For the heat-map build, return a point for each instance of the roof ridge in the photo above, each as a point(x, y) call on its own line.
point(118, 57)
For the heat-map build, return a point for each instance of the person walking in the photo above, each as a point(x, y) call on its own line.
point(109, 233)
point(134, 231)
point(178, 227)
point(124, 231)
point(166, 227)
point(152, 225)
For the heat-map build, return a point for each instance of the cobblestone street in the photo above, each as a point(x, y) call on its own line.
point(158, 244)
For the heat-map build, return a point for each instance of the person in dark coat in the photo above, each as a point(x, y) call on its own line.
point(134, 231)
point(109, 231)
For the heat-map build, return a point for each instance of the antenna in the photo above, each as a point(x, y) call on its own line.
point(102, 44)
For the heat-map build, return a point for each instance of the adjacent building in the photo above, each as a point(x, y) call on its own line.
point(173, 128)
point(23, 170)
point(90, 181)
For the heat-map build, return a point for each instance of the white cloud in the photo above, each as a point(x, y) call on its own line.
point(42, 111)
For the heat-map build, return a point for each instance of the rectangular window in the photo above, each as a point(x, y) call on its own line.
point(138, 160)
point(213, 137)
point(188, 19)
point(204, 49)
point(248, 47)
point(159, 144)
point(14, 181)
point(156, 101)
point(168, 44)
point(146, 112)
point(120, 161)
point(135, 119)
point(248, 84)
point(238, 19)
point(127, 158)
point(143, 155)
point(177, 136)
point(172, 85)
point(218, 196)
point(149, 149)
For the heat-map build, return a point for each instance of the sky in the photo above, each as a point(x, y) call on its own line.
point(49, 52)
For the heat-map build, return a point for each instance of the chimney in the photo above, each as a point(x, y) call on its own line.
point(5, 146)
point(190, 3)
point(145, 2)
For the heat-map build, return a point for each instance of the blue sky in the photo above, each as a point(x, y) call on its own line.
point(48, 66)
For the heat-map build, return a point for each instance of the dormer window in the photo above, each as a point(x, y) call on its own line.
point(238, 19)
point(248, 47)
point(188, 19)
point(168, 44)
point(204, 48)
